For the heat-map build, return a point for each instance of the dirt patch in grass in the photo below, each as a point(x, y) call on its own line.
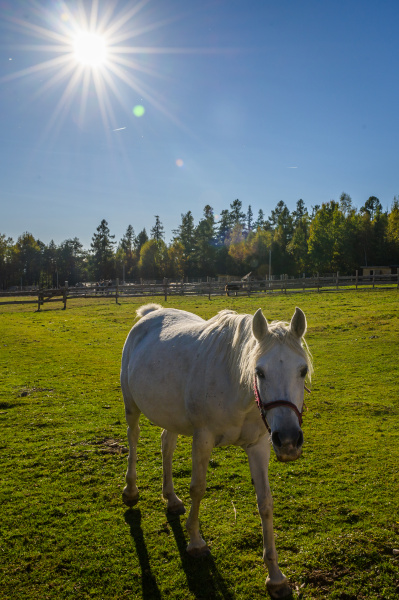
point(27, 391)
point(324, 579)
point(110, 446)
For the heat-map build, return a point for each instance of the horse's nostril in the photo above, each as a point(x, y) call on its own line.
point(276, 439)
point(280, 442)
point(299, 441)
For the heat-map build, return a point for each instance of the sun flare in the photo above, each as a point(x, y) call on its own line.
point(90, 49)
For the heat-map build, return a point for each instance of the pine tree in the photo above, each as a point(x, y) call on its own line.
point(300, 212)
point(102, 247)
point(236, 214)
point(128, 241)
point(225, 225)
point(260, 221)
point(250, 215)
point(185, 235)
point(140, 240)
point(126, 255)
point(157, 232)
point(205, 251)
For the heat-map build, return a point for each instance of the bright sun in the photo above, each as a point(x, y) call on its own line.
point(90, 49)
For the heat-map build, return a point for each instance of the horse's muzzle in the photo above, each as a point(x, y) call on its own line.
point(287, 444)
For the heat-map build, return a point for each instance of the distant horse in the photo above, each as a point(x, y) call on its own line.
point(199, 378)
point(233, 286)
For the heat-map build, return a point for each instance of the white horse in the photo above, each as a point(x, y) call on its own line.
point(199, 378)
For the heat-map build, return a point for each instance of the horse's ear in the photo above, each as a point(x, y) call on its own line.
point(298, 323)
point(259, 325)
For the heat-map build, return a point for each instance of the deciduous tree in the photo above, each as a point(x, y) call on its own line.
point(153, 263)
point(7, 268)
point(28, 258)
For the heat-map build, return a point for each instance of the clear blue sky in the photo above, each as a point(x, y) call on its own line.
point(261, 100)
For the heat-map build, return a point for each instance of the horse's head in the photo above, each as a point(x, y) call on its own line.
point(281, 366)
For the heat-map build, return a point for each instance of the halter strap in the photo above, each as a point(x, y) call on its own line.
point(263, 407)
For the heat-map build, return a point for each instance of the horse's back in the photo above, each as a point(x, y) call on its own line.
point(156, 362)
point(157, 323)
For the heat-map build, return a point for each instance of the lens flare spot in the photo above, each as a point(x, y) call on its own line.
point(179, 162)
point(138, 110)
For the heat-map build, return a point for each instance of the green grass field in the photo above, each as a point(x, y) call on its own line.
point(64, 532)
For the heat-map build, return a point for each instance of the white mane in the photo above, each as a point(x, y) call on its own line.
point(229, 334)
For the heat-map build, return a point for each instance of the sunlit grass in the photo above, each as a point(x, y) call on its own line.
point(64, 530)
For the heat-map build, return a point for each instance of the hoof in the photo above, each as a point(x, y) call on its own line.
point(198, 552)
point(279, 590)
point(177, 509)
point(129, 500)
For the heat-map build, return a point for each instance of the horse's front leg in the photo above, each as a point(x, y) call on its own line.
point(203, 442)
point(258, 457)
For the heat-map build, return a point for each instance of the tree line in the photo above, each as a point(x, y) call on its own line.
point(333, 236)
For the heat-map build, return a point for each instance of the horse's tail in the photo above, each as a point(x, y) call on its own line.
point(147, 308)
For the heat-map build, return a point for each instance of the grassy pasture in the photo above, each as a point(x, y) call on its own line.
point(64, 532)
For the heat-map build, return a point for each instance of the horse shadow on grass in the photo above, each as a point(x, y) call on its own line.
point(148, 580)
point(203, 578)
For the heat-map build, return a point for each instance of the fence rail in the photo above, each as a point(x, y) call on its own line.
point(167, 288)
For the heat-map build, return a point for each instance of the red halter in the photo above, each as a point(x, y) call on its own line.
point(263, 407)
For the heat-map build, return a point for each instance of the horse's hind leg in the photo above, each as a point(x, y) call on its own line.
point(130, 494)
point(203, 443)
point(175, 505)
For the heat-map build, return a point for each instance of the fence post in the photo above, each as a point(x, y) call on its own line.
point(165, 283)
point(357, 278)
point(65, 294)
point(116, 290)
point(209, 290)
point(318, 283)
point(337, 279)
point(397, 272)
point(373, 278)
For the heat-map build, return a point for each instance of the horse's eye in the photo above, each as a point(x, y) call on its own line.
point(260, 373)
point(304, 371)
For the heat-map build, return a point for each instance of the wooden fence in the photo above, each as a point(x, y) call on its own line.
point(167, 288)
